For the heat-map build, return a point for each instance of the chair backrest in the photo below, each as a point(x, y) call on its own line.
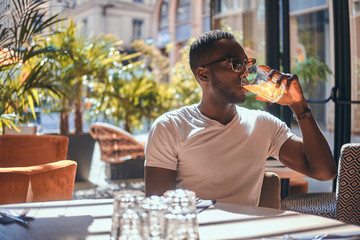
point(348, 184)
point(14, 187)
point(116, 145)
point(29, 150)
point(270, 191)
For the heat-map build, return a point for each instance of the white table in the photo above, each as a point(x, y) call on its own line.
point(91, 219)
point(227, 221)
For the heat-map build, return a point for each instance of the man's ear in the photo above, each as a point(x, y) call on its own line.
point(203, 74)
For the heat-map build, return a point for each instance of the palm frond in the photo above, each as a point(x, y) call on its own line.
point(29, 20)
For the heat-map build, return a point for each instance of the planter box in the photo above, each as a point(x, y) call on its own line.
point(130, 169)
point(81, 148)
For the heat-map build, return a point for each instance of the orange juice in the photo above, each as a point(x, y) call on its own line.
point(266, 90)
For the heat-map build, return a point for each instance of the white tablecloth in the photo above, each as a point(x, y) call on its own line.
point(91, 219)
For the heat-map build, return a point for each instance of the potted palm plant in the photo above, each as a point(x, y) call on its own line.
point(84, 61)
point(19, 88)
point(81, 60)
point(131, 95)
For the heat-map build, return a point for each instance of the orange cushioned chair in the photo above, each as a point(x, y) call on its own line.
point(32, 169)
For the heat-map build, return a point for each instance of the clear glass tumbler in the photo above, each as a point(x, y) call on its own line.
point(262, 85)
point(181, 196)
point(181, 221)
point(154, 209)
point(126, 218)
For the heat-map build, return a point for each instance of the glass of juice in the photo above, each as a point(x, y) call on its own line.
point(260, 84)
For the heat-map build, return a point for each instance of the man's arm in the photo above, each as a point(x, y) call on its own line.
point(310, 155)
point(159, 180)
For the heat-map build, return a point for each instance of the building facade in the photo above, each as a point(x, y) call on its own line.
point(127, 19)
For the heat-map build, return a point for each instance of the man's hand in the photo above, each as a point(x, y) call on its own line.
point(310, 154)
point(293, 92)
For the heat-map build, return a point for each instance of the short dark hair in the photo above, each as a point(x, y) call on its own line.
point(203, 44)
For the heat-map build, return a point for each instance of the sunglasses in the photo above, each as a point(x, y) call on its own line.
point(237, 64)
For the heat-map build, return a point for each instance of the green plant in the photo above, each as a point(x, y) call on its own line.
point(186, 88)
point(130, 95)
point(84, 60)
point(19, 89)
point(311, 71)
point(155, 60)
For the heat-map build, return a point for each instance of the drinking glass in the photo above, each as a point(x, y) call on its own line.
point(154, 209)
point(262, 85)
point(181, 196)
point(130, 225)
point(126, 218)
point(181, 221)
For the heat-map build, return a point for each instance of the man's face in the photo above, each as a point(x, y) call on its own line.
point(226, 84)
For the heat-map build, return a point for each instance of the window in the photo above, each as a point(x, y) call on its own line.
point(229, 4)
point(206, 16)
point(183, 27)
point(183, 11)
point(164, 15)
point(206, 6)
point(137, 28)
point(310, 32)
point(222, 6)
point(311, 51)
point(354, 13)
point(356, 7)
point(163, 36)
point(84, 28)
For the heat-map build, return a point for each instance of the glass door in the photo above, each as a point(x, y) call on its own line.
point(312, 59)
point(354, 15)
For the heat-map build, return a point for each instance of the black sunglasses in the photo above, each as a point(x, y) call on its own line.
point(237, 64)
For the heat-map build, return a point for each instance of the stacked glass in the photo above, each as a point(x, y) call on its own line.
point(172, 216)
point(155, 208)
point(126, 219)
point(181, 221)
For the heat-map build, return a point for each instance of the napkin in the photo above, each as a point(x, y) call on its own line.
point(201, 205)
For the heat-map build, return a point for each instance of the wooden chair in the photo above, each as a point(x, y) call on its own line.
point(124, 156)
point(344, 204)
point(270, 191)
point(33, 168)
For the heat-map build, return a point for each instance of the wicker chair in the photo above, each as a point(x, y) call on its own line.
point(343, 205)
point(117, 148)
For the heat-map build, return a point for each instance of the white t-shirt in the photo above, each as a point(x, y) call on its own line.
point(219, 162)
